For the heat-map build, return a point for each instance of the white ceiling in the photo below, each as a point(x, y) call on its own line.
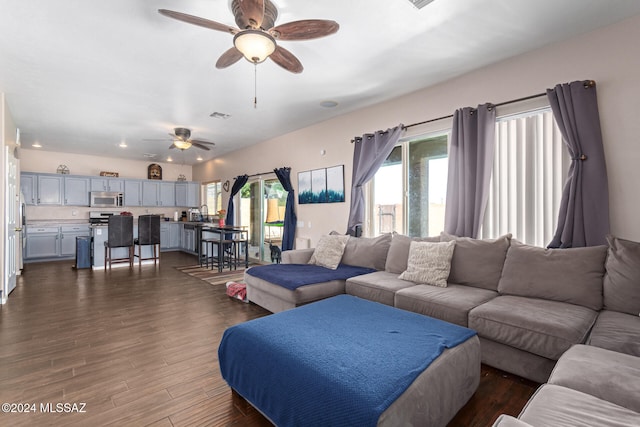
point(82, 76)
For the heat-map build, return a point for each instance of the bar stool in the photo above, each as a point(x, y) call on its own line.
point(148, 235)
point(120, 235)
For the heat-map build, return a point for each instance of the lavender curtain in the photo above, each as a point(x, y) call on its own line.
point(583, 219)
point(470, 163)
point(241, 180)
point(369, 153)
point(290, 219)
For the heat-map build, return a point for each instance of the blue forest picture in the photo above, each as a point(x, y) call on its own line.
point(321, 185)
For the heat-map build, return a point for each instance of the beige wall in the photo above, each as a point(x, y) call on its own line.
point(608, 55)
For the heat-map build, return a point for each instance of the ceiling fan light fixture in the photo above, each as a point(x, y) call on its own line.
point(255, 45)
point(182, 145)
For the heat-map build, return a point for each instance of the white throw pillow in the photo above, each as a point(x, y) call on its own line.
point(429, 263)
point(329, 250)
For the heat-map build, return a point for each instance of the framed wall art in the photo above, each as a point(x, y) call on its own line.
point(321, 185)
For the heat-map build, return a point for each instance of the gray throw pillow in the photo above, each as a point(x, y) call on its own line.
point(367, 252)
point(568, 275)
point(328, 251)
point(477, 262)
point(399, 251)
point(429, 263)
point(622, 277)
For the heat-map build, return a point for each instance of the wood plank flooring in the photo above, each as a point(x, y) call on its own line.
point(138, 347)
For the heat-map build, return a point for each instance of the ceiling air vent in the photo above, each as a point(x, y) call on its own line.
point(217, 115)
point(420, 3)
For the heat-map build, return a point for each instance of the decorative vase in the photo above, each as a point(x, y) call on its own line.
point(221, 222)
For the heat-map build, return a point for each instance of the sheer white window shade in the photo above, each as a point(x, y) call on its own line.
point(530, 167)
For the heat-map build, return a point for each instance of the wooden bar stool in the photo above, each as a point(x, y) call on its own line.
point(120, 235)
point(148, 235)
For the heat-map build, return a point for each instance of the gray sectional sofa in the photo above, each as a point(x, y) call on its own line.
point(529, 305)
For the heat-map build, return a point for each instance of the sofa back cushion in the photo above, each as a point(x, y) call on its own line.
point(477, 263)
point(399, 251)
point(622, 277)
point(572, 275)
point(367, 252)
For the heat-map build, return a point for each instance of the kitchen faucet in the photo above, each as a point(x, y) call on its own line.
point(204, 212)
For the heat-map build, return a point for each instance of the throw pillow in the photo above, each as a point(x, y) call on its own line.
point(367, 252)
point(429, 263)
point(328, 251)
point(399, 251)
point(622, 277)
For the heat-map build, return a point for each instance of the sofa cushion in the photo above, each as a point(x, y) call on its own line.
point(616, 331)
point(476, 262)
point(608, 376)
point(451, 304)
point(566, 275)
point(380, 286)
point(399, 251)
point(509, 421)
point(429, 263)
point(329, 250)
point(542, 327)
point(556, 406)
point(622, 277)
point(367, 252)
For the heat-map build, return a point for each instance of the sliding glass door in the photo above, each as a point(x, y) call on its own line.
point(262, 206)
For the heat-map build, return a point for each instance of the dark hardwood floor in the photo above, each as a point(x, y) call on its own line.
point(139, 347)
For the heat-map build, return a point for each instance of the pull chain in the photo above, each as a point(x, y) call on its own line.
point(255, 85)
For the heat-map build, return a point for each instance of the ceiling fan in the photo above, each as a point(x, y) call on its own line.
point(181, 140)
point(255, 39)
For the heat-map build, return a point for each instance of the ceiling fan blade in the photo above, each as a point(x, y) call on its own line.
point(228, 58)
point(248, 13)
point(203, 147)
point(196, 20)
point(304, 30)
point(199, 141)
point(286, 60)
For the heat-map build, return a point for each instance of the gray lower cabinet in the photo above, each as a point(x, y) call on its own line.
point(188, 243)
point(53, 242)
point(170, 235)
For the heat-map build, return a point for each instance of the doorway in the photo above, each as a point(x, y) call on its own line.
point(262, 207)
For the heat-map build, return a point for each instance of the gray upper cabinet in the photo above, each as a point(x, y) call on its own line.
point(76, 190)
point(155, 193)
point(187, 194)
point(150, 193)
point(29, 188)
point(167, 194)
point(132, 192)
point(50, 189)
point(107, 184)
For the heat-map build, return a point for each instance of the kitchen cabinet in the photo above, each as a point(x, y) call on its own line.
point(50, 189)
point(76, 190)
point(170, 235)
point(156, 193)
point(68, 234)
point(29, 188)
point(53, 242)
point(42, 242)
point(188, 243)
point(107, 184)
point(187, 194)
point(132, 192)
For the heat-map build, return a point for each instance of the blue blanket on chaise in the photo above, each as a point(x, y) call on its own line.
point(340, 361)
point(292, 276)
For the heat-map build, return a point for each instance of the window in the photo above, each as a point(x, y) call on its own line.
point(530, 166)
point(214, 197)
point(418, 168)
point(408, 193)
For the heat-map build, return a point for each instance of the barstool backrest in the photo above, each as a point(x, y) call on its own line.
point(149, 229)
point(120, 231)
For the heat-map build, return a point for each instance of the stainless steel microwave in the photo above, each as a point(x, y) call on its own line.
point(106, 199)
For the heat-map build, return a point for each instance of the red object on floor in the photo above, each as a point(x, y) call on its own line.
point(237, 290)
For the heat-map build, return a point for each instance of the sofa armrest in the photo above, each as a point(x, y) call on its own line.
point(509, 421)
point(297, 256)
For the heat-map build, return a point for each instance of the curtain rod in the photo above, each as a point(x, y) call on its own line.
point(262, 173)
point(587, 84)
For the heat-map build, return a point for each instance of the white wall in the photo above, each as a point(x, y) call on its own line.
point(608, 56)
point(7, 139)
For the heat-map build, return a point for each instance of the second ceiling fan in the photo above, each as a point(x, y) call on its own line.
point(181, 140)
point(255, 39)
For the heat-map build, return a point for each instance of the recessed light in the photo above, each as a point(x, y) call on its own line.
point(169, 159)
point(328, 104)
point(199, 158)
point(36, 145)
point(123, 145)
